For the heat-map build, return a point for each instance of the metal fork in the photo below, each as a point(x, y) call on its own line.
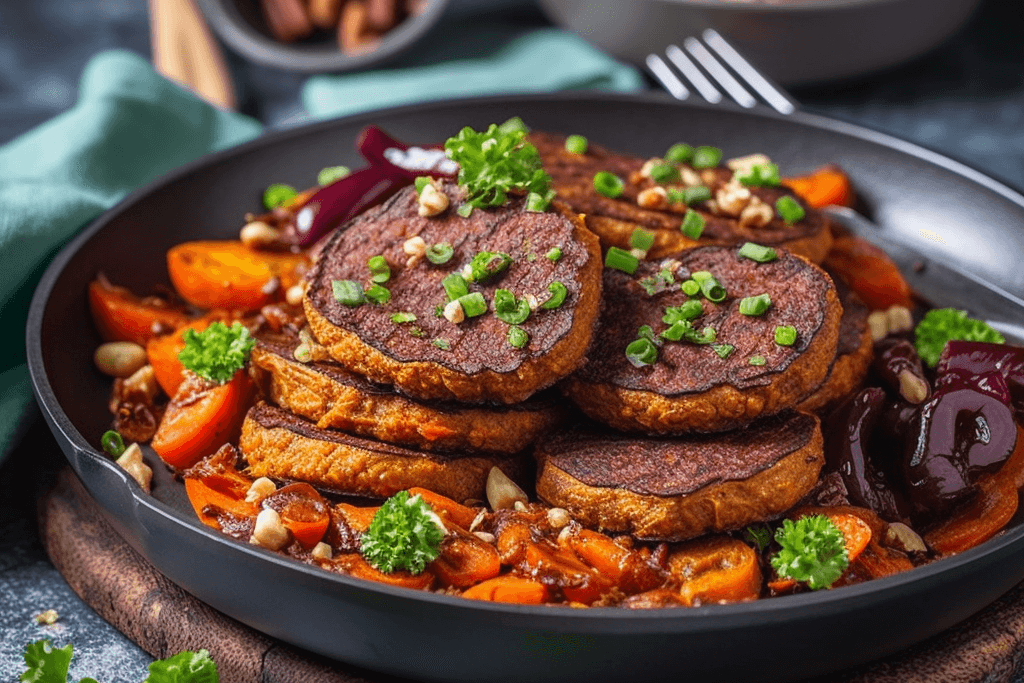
point(714, 62)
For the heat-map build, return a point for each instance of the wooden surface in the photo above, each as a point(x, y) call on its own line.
point(163, 619)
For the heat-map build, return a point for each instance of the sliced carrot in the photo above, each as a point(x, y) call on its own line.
point(303, 511)
point(991, 509)
point(445, 507)
point(200, 418)
point(823, 186)
point(562, 568)
point(121, 316)
point(630, 570)
point(869, 272)
point(230, 275)
point(509, 588)
point(358, 518)
point(465, 560)
point(715, 570)
point(357, 566)
point(206, 491)
point(162, 352)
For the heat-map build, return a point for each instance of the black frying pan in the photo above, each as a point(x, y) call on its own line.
point(968, 218)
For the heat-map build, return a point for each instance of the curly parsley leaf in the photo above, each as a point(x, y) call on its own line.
point(404, 534)
point(184, 667)
point(47, 664)
point(494, 162)
point(941, 325)
point(813, 551)
point(217, 352)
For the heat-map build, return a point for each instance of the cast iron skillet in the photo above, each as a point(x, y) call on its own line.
point(968, 218)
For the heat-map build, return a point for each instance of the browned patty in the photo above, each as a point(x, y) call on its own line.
point(332, 397)
point(479, 364)
point(682, 487)
point(614, 220)
point(853, 353)
point(690, 387)
point(280, 445)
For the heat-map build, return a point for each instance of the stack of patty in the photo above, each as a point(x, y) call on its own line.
point(406, 396)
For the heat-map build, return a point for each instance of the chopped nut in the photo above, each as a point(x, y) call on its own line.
point(742, 165)
point(564, 534)
point(453, 312)
point(322, 551)
point(645, 170)
point(432, 201)
point(120, 358)
point(476, 520)
point(878, 323)
point(260, 489)
point(532, 302)
point(689, 176)
point(558, 517)
point(48, 617)
point(708, 177)
point(484, 536)
point(652, 198)
point(671, 265)
point(142, 385)
point(732, 198)
point(902, 537)
point(269, 532)
point(519, 506)
point(640, 254)
point(131, 462)
point(757, 214)
point(294, 294)
point(259, 235)
point(414, 246)
point(900, 320)
point(502, 492)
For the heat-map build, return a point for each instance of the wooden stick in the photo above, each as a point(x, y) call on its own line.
point(185, 51)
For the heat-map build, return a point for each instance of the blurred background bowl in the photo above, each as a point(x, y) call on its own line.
point(795, 42)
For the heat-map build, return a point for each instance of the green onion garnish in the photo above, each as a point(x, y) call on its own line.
point(709, 286)
point(348, 292)
point(608, 184)
point(657, 283)
point(688, 311)
point(762, 175)
point(508, 309)
point(646, 332)
point(789, 209)
point(455, 286)
point(675, 195)
point(723, 350)
point(277, 194)
point(693, 224)
point(538, 203)
point(554, 253)
point(403, 317)
point(487, 264)
point(378, 294)
point(442, 344)
point(380, 271)
point(641, 239)
point(465, 210)
point(755, 305)
point(690, 288)
point(439, 253)
point(421, 182)
point(328, 175)
point(696, 194)
point(517, 337)
point(558, 294)
point(473, 304)
point(757, 360)
point(620, 259)
point(513, 125)
point(684, 330)
point(641, 352)
point(679, 153)
point(756, 252)
point(416, 332)
point(664, 173)
point(706, 156)
point(785, 335)
point(576, 144)
point(112, 443)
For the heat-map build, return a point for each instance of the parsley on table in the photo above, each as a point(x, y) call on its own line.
point(47, 664)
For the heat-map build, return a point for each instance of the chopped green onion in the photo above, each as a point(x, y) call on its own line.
point(508, 309)
point(684, 330)
point(641, 352)
point(439, 311)
point(762, 175)
point(442, 344)
point(378, 294)
point(348, 292)
point(641, 239)
point(664, 173)
point(112, 443)
point(403, 317)
point(696, 194)
point(538, 203)
point(576, 144)
point(328, 175)
point(657, 283)
point(455, 286)
point(473, 304)
point(723, 350)
point(513, 125)
point(785, 335)
point(789, 209)
point(421, 182)
point(679, 153)
point(487, 264)
point(706, 156)
point(608, 184)
point(688, 311)
point(517, 337)
point(439, 253)
point(756, 252)
point(693, 224)
point(757, 360)
point(554, 253)
point(690, 288)
point(277, 194)
point(646, 332)
point(709, 286)
point(755, 305)
point(416, 332)
point(558, 294)
point(380, 271)
point(465, 210)
point(620, 259)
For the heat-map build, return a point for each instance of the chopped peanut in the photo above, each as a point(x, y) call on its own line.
point(269, 531)
point(652, 198)
point(432, 201)
point(260, 489)
point(453, 312)
point(131, 462)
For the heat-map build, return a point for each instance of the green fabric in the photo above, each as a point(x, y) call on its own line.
point(128, 126)
point(461, 60)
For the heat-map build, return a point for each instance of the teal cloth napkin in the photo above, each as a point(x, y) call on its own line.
point(473, 58)
point(128, 126)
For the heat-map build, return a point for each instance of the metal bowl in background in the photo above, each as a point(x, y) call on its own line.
point(795, 42)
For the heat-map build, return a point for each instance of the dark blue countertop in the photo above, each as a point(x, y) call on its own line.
point(965, 99)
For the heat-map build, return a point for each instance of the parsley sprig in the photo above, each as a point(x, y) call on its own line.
point(813, 551)
point(404, 534)
point(47, 664)
point(941, 325)
point(217, 352)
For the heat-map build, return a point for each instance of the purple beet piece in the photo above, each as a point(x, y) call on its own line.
point(978, 358)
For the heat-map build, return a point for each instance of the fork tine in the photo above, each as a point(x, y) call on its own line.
point(693, 74)
point(771, 94)
point(668, 80)
point(725, 79)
